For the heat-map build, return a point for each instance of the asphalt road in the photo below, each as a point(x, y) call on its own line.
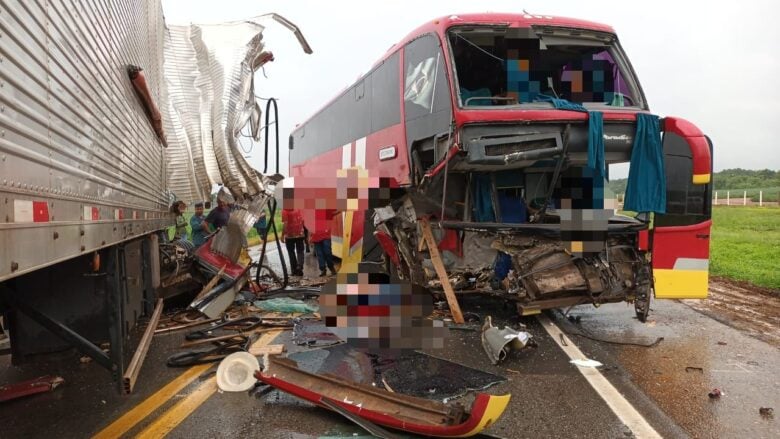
point(666, 385)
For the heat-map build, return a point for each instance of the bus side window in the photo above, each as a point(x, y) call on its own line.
point(385, 108)
point(426, 92)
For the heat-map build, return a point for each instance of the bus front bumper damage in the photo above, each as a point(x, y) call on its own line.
point(527, 264)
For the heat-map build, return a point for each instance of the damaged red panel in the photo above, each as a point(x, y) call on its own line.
point(215, 261)
point(29, 387)
point(392, 410)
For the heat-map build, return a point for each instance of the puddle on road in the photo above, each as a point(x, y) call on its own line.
point(696, 356)
point(661, 374)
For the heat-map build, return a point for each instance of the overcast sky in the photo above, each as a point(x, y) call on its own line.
point(714, 63)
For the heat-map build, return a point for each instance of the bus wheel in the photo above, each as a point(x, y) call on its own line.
point(642, 303)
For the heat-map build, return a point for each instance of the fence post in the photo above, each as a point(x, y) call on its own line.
point(760, 198)
point(728, 198)
point(716, 198)
point(744, 198)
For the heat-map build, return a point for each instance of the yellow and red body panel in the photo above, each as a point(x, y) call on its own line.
point(700, 148)
point(681, 261)
point(485, 410)
point(681, 252)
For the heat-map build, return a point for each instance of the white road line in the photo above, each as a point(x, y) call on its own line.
point(619, 405)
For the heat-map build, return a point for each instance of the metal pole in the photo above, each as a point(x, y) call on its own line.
point(744, 198)
point(760, 198)
point(716, 198)
point(57, 328)
point(728, 198)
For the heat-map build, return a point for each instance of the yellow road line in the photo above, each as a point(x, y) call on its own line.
point(142, 410)
point(179, 412)
point(184, 408)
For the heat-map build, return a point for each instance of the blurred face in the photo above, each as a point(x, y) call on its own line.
point(199, 210)
point(221, 204)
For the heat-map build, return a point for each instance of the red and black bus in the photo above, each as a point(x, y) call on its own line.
point(484, 121)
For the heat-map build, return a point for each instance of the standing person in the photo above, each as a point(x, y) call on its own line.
point(320, 238)
point(218, 217)
point(293, 237)
point(196, 224)
point(181, 223)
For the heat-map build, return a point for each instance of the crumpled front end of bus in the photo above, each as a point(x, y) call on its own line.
point(518, 213)
point(534, 265)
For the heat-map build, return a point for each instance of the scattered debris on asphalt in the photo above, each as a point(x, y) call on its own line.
point(225, 320)
point(722, 343)
point(236, 372)
point(766, 412)
point(134, 368)
point(285, 305)
point(498, 342)
point(407, 372)
point(30, 387)
point(313, 333)
point(715, 393)
point(173, 324)
point(694, 369)
point(587, 362)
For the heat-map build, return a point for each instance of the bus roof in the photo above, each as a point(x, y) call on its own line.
point(441, 24)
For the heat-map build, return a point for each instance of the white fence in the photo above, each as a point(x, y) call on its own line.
point(740, 199)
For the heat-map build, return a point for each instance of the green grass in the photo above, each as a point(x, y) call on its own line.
point(745, 244)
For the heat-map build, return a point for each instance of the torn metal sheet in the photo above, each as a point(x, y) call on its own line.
point(209, 72)
point(313, 334)
point(407, 413)
point(498, 342)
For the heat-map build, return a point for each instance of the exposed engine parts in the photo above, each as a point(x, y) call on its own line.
point(526, 264)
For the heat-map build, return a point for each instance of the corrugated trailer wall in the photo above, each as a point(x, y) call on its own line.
point(80, 166)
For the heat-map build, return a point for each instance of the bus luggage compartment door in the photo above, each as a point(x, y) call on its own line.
point(681, 237)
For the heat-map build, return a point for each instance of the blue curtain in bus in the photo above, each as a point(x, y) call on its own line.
point(595, 131)
point(596, 144)
point(561, 104)
point(502, 264)
point(646, 188)
point(483, 199)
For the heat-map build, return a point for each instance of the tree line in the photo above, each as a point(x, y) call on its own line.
point(727, 179)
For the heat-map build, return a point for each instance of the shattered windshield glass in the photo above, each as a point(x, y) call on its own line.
point(514, 66)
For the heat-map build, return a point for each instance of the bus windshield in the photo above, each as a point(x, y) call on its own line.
point(501, 66)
